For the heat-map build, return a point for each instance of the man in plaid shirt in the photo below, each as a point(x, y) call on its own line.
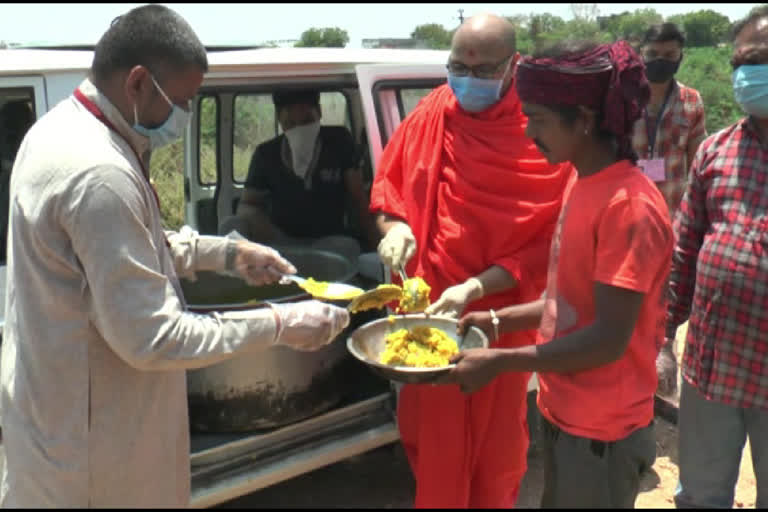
point(720, 280)
point(665, 139)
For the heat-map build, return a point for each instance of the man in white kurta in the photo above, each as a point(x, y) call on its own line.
point(97, 339)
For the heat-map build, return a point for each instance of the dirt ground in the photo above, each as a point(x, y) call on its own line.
point(658, 485)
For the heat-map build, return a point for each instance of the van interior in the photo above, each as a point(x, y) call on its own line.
point(240, 119)
point(17, 114)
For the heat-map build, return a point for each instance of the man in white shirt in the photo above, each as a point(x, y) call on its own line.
point(97, 338)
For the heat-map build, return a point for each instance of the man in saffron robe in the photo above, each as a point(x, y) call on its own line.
point(467, 202)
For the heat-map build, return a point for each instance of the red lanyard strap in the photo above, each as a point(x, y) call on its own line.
point(98, 114)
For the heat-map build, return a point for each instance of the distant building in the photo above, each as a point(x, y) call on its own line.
point(392, 42)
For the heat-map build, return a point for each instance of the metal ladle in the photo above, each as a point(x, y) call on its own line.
point(334, 291)
point(413, 287)
point(375, 298)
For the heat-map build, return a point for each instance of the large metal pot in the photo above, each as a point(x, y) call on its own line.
point(277, 386)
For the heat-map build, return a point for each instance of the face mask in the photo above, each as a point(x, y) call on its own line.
point(475, 94)
point(750, 89)
point(172, 128)
point(301, 140)
point(659, 71)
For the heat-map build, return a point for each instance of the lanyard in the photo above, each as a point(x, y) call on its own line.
point(652, 134)
point(98, 114)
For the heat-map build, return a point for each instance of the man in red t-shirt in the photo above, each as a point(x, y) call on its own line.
point(602, 316)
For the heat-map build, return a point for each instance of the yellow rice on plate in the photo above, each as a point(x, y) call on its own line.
point(320, 289)
point(422, 347)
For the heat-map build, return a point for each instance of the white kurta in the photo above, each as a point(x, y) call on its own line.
point(97, 340)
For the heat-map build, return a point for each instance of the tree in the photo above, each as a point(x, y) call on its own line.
point(519, 20)
point(611, 22)
point(633, 26)
point(703, 28)
point(544, 23)
point(677, 19)
point(434, 35)
point(587, 12)
point(329, 37)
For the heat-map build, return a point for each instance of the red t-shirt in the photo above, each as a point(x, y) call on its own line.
point(614, 229)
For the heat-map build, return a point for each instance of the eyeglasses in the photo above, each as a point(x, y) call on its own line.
point(478, 71)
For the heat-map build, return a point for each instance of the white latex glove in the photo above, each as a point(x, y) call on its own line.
point(398, 246)
point(257, 264)
point(308, 325)
point(454, 299)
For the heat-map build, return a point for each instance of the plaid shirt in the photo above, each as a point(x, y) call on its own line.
point(720, 269)
point(682, 123)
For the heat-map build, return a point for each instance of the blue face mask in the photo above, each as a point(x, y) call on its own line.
point(475, 94)
point(172, 128)
point(750, 88)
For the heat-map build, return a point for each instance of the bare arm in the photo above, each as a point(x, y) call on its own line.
point(384, 222)
point(495, 279)
point(601, 343)
point(251, 207)
point(519, 317)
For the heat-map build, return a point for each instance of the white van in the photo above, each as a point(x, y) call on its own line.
point(369, 92)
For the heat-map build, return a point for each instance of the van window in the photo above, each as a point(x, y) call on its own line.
point(208, 128)
point(255, 122)
point(17, 114)
point(411, 97)
point(395, 99)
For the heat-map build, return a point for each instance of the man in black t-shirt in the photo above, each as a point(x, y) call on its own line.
point(301, 184)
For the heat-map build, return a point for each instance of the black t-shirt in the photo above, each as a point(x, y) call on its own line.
point(297, 210)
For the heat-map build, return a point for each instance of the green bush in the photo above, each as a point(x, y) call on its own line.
point(167, 174)
point(708, 70)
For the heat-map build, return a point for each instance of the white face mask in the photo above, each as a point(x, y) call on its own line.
point(301, 140)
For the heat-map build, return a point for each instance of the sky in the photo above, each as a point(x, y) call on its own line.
point(254, 23)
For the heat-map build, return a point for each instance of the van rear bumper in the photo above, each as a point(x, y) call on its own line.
point(226, 467)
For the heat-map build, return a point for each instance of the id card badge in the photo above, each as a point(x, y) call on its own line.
point(653, 168)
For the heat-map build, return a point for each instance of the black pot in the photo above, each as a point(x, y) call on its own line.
point(277, 386)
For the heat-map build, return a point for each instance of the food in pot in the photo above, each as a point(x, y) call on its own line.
point(421, 346)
